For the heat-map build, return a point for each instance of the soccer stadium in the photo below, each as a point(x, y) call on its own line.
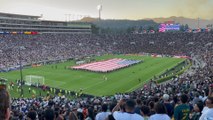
point(99, 69)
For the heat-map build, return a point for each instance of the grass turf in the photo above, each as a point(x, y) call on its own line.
point(123, 80)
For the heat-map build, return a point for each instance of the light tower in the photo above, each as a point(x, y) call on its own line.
point(198, 23)
point(99, 8)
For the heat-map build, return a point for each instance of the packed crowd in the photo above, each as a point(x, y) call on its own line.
point(185, 97)
point(44, 47)
point(36, 48)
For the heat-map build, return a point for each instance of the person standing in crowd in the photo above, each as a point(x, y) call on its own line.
point(198, 107)
point(182, 111)
point(49, 114)
point(73, 115)
point(151, 107)
point(128, 114)
point(161, 112)
point(168, 105)
point(31, 115)
point(4, 103)
point(208, 114)
point(110, 117)
point(145, 112)
point(90, 114)
point(103, 114)
point(138, 106)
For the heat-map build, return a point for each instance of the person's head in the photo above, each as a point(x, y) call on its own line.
point(151, 104)
point(4, 103)
point(104, 107)
point(112, 105)
point(49, 114)
point(184, 98)
point(130, 105)
point(165, 97)
point(90, 113)
point(209, 102)
point(175, 99)
point(138, 102)
point(198, 107)
point(31, 115)
point(145, 110)
point(156, 99)
point(196, 94)
point(160, 108)
point(74, 109)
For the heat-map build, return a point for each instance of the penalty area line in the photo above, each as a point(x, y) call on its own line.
point(94, 85)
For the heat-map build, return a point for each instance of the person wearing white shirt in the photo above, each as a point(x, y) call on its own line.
point(127, 112)
point(161, 113)
point(204, 111)
point(208, 114)
point(104, 114)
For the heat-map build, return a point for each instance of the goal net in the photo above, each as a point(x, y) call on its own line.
point(34, 80)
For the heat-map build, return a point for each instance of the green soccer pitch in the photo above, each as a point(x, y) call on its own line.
point(119, 81)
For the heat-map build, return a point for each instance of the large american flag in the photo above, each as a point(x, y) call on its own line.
point(107, 65)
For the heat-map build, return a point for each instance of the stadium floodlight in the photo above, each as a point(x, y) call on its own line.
point(99, 8)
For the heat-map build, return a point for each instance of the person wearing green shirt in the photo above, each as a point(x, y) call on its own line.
point(51, 90)
point(182, 111)
point(29, 90)
point(34, 92)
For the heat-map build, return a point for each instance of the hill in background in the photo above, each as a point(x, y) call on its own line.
point(193, 23)
point(110, 23)
point(124, 24)
point(120, 26)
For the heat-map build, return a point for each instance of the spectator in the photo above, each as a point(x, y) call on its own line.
point(151, 107)
point(208, 114)
point(168, 105)
point(182, 111)
point(90, 115)
point(110, 117)
point(73, 114)
point(4, 103)
point(129, 111)
point(198, 107)
point(138, 106)
point(104, 114)
point(161, 113)
point(31, 115)
point(145, 112)
point(49, 114)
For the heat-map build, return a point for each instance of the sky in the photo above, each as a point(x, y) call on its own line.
point(111, 9)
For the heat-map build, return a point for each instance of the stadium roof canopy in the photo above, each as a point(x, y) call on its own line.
point(19, 16)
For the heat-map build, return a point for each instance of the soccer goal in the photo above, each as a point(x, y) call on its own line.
point(34, 80)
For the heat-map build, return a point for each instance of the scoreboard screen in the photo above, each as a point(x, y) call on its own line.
point(169, 27)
